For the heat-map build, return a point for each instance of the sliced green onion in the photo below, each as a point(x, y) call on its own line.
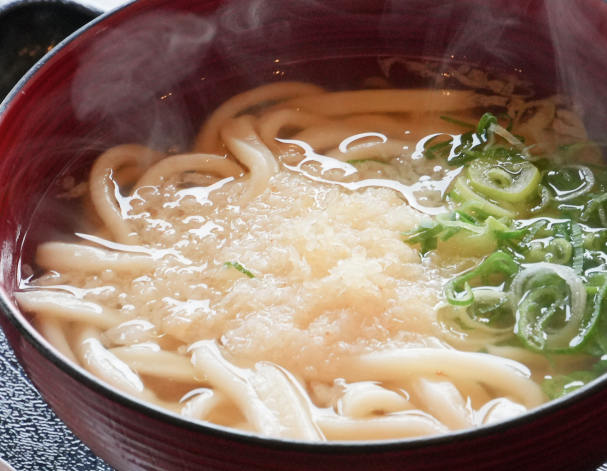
point(457, 121)
point(595, 241)
point(560, 385)
point(533, 229)
point(449, 233)
point(513, 183)
point(485, 123)
point(428, 244)
point(594, 205)
point(495, 225)
point(578, 248)
point(507, 235)
point(561, 180)
point(362, 161)
point(455, 298)
point(545, 198)
point(431, 152)
point(468, 194)
point(498, 263)
point(560, 251)
point(603, 216)
point(464, 331)
point(419, 235)
point(599, 299)
point(240, 268)
point(447, 222)
point(465, 217)
point(537, 303)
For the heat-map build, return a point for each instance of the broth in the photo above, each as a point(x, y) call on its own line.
point(368, 264)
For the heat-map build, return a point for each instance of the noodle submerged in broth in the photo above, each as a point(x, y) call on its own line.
point(368, 264)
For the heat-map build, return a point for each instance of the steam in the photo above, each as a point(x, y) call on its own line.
point(138, 63)
point(144, 57)
point(577, 31)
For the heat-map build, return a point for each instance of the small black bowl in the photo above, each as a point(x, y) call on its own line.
point(30, 29)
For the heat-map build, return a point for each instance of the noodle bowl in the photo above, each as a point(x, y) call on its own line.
point(75, 106)
point(261, 281)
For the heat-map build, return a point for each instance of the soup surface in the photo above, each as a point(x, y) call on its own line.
point(368, 264)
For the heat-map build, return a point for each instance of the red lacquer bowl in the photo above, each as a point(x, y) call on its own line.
point(151, 71)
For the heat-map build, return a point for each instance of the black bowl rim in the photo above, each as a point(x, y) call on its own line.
point(12, 313)
point(15, 5)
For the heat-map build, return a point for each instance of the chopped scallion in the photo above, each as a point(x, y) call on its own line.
point(240, 268)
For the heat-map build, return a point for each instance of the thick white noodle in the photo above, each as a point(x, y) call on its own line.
point(364, 400)
point(98, 360)
point(498, 373)
point(94, 357)
point(242, 140)
point(445, 403)
point(533, 360)
point(221, 376)
point(148, 359)
point(498, 410)
point(67, 307)
point(270, 124)
point(103, 187)
point(374, 150)
point(64, 257)
point(280, 396)
point(207, 140)
point(472, 390)
point(342, 125)
point(540, 120)
point(403, 425)
point(331, 135)
point(203, 163)
point(412, 128)
point(385, 101)
point(201, 405)
point(53, 331)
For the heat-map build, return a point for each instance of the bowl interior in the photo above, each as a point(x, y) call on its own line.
point(151, 72)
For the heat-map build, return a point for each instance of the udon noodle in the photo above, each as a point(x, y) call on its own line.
point(261, 281)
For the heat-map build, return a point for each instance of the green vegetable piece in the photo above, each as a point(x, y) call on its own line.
point(469, 149)
point(465, 217)
point(560, 385)
point(457, 122)
point(596, 204)
point(513, 183)
point(421, 234)
point(600, 283)
point(240, 268)
point(479, 202)
point(548, 319)
point(578, 248)
point(560, 251)
point(540, 306)
point(428, 245)
point(496, 225)
point(449, 233)
point(595, 241)
point(508, 235)
point(498, 263)
point(437, 149)
point(532, 230)
point(362, 161)
point(483, 125)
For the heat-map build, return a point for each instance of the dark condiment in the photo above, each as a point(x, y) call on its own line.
point(29, 30)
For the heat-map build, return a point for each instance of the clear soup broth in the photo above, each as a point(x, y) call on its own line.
point(326, 264)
